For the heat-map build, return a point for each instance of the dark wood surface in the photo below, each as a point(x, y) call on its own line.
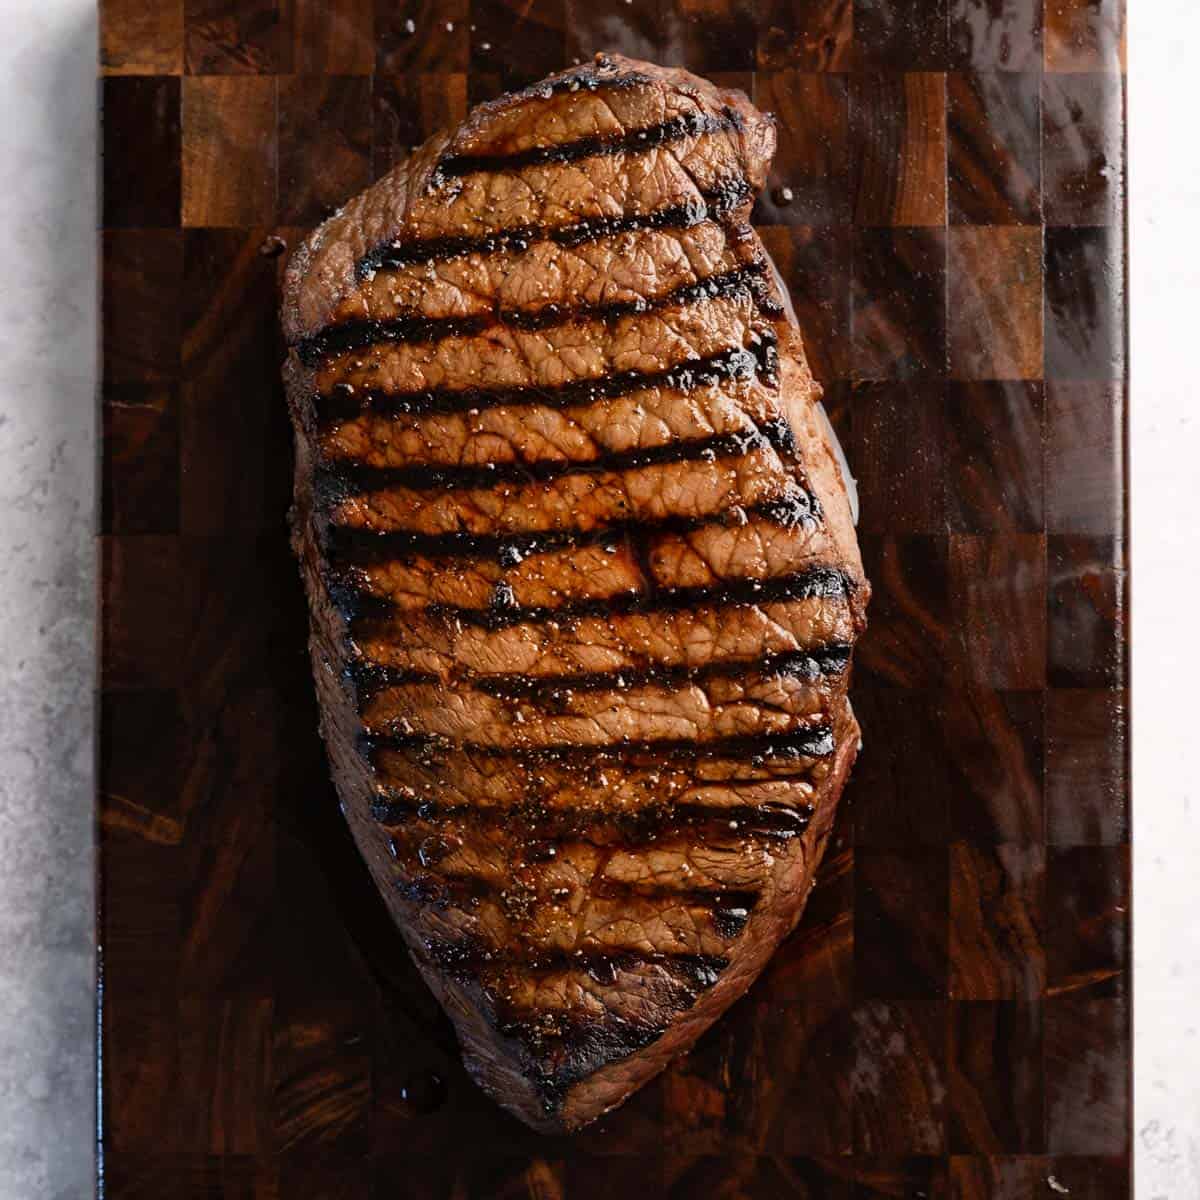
point(951, 1019)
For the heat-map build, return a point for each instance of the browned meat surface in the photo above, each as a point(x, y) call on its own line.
point(582, 571)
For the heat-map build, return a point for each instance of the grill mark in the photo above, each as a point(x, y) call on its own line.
point(585, 79)
point(469, 955)
point(814, 583)
point(444, 891)
point(711, 205)
point(693, 124)
point(369, 678)
point(344, 401)
point(811, 664)
point(360, 334)
point(732, 913)
point(572, 1050)
point(561, 1048)
point(730, 908)
point(771, 821)
point(346, 546)
point(640, 552)
point(817, 742)
point(591, 1040)
point(341, 479)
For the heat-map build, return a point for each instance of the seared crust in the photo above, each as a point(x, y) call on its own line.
point(582, 572)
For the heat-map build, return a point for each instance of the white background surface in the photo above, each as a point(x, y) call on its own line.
point(47, 587)
point(1164, 95)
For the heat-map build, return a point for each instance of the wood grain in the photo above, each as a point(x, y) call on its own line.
point(814, 262)
point(141, 278)
point(1002, 35)
point(334, 37)
point(512, 40)
point(995, 149)
point(229, 151)
point(408, 109)
point(140, 492)
point(1083, 149)
point(811, 35)
point(1087, 767)
point(998, 587)
point(898, 313)
point(1085, 286)
point(137, 38)
point(1085, 35)
point(324, 144)
point(996, 743)
point(901, 901)
point(997, 916)
point(1027, 1177)
point(895, 441)
point(994, 453)
point(141, 179)
point(994, 302)
point(900, 35)
point(995, 1077)
point(950, 1019)
point(894, 810)
point(233, 412)
point(810, 177)
point(900, 1096)
point(1087, 613)
point(238, 37)
point(1087, 919)
point(429, 36)
point(1087, 1077)
point(899, 124)
point(709, 37)
point(1085, 458)
point(909, 642)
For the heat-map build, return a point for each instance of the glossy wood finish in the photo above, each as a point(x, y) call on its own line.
point(951, 1017)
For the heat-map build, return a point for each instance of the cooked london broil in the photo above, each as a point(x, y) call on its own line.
point(582, 571)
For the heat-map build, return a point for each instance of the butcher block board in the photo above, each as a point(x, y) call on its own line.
point(951, 1018)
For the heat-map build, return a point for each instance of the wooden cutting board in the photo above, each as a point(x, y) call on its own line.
point(951, 1018)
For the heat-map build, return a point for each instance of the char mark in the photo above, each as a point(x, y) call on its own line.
point(599, 75)
point(548, 690)
point(814, 583)
point(558, 1049)
point(712, 205)
point(632, 141)
point(578, 1047)
point(730, 909)
point(444, 891)
point(370, 678)
point(731, 912)
point(467, 956)
point(760, 359)
point(815, 742)
point(348, 547)
point(397, 808)
point(340, 479)
point(747, 280)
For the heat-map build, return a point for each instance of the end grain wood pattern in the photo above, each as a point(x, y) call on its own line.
point(951, 1018)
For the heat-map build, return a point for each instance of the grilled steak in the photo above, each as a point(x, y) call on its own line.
point(582, 572)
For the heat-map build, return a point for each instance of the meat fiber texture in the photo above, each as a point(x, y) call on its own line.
point(582, 572)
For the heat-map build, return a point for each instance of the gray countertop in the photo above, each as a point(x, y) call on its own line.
point(47, 590)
